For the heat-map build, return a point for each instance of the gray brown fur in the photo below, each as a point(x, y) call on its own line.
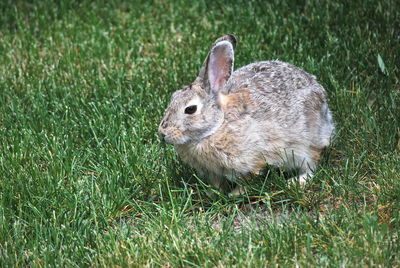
point(267, 112)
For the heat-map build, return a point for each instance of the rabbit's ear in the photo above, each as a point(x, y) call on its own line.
point(218, 66)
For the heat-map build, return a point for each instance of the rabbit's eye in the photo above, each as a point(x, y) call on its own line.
point(191, 109)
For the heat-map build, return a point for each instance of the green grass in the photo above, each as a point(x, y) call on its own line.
point(84, 180)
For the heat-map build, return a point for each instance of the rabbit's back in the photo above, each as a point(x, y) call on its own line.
point(280, 92)
point(268, 77)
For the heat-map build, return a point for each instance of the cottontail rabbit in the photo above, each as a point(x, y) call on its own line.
point(229, 124)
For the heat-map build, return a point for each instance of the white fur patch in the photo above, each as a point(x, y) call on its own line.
point(223, 99)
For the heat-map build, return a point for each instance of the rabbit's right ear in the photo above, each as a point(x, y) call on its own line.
point(218, 65)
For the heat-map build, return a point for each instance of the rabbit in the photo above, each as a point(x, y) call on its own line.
point(229, 125)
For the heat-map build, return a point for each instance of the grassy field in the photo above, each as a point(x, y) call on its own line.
point(84, 180)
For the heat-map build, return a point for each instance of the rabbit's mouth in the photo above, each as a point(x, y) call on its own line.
point(174, 138)
point(173, 141)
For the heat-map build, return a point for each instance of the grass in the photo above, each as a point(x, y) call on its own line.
point(84, 180)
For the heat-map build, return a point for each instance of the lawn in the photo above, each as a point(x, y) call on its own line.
point(85, 181)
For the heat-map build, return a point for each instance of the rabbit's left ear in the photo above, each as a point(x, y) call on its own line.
point(218, 66)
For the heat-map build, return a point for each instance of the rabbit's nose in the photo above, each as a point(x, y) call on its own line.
point(162, 135)
point(164, 124)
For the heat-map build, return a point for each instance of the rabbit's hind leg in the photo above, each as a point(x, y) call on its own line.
point(306, 167)
point(304, 175)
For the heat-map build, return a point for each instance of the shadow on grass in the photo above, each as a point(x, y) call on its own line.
point(271, 188)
